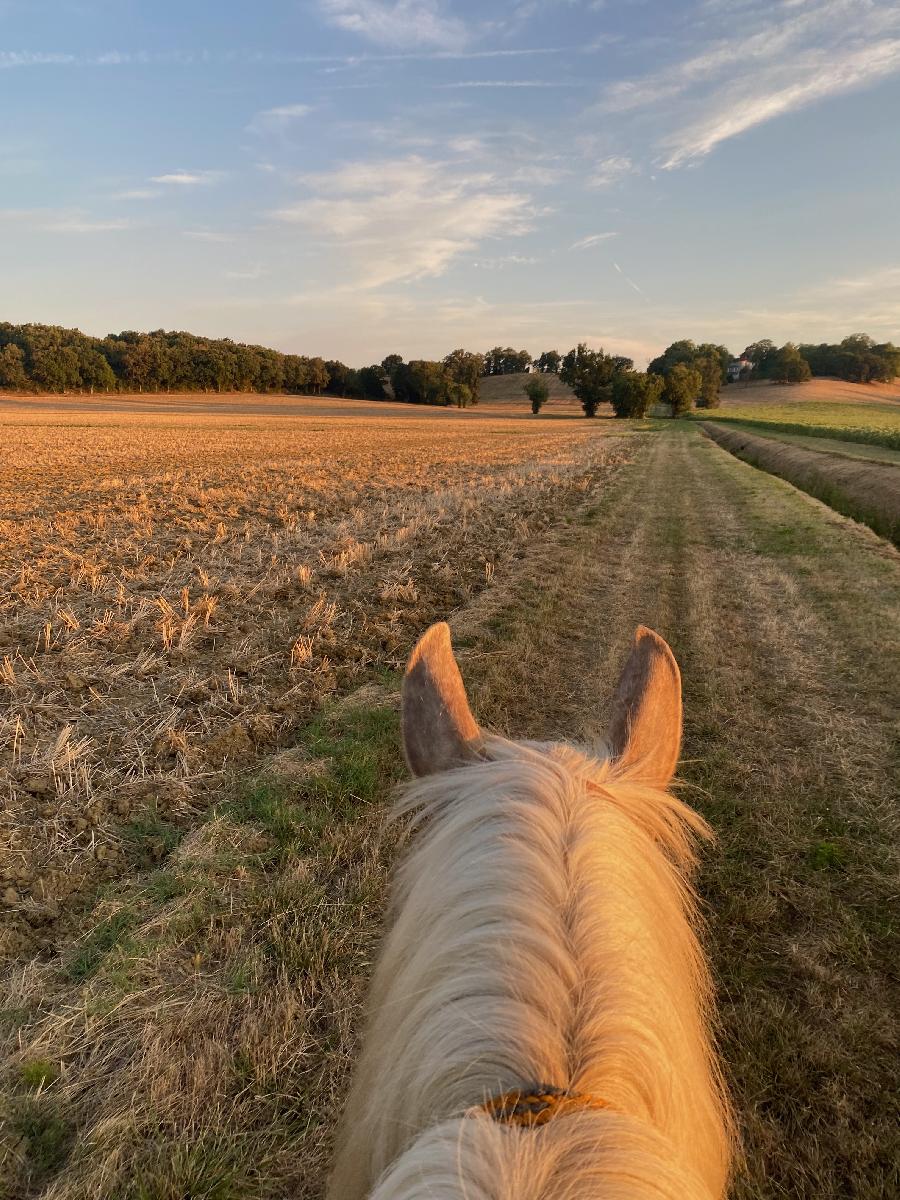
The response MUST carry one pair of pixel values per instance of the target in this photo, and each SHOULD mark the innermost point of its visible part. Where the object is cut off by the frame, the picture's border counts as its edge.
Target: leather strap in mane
(532, 1106)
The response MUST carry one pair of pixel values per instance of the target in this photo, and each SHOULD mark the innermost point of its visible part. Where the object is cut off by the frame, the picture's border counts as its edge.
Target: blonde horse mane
(542, 932)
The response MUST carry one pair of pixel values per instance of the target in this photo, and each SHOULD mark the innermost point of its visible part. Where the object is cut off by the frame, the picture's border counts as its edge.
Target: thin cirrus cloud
(187, 179)
(208, 235)
(280, 118)
(42, 220)
(768, 63)
(509, 83)
(610, 170)
(405, 219)
(401, 25)
(593, 239)
(749, 104)
(137, 194)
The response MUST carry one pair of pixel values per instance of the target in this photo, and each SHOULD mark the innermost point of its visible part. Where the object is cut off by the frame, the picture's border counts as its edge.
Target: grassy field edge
(807, 471)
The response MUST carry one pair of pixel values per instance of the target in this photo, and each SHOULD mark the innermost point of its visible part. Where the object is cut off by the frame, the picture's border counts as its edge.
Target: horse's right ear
(439, 731)
(645, 730)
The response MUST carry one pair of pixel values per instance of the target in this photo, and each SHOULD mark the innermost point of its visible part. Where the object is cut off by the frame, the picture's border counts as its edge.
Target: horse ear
(645, 730)
(439, 731)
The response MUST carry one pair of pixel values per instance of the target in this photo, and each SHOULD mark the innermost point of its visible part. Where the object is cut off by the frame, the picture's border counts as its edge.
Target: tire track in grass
(796, 776)
(777, 610)
(792, 743)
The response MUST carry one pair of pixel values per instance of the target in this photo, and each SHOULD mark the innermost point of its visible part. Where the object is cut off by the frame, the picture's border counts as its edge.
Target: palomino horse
(539, 1021)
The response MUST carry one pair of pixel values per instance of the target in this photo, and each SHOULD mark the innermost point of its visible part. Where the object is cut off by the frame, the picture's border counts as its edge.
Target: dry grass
(185, 599)
(178, 597)
(507, 391)
(191, 1034)
(827, 391)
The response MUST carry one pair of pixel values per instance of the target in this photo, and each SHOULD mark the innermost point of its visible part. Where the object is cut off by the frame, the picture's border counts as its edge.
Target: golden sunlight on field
(181, 591)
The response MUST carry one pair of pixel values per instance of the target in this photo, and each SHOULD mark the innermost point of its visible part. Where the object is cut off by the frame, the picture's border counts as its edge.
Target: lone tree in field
(681, 388)
(590, 375)
(538, 392)
(790, 366)
(634, 393)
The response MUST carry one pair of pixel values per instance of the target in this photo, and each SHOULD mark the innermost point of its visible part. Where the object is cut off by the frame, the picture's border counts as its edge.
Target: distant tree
(681, 388)
(465, 368)
(421, 381)
(635, 392)
(721, 354)
(503, 360)
(549, 362)
(689, 354)
(96, 373)
(459, 394)
(318, 375)
(537, 389)
(710, 370)
(590, 373)
(371, 382)
(789, 366)
(13, 376)
(391, 362)
(54, 369)
(762, 355)
(342, 380)
(296, 374)
(684, 351)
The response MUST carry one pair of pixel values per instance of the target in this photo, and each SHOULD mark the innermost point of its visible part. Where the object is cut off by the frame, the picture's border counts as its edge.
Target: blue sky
(359, 177)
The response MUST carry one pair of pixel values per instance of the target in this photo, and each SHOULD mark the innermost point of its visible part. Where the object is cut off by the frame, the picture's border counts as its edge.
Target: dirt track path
(784, 618)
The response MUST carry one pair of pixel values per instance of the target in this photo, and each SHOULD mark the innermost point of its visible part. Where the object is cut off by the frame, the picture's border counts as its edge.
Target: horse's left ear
(439, 731)
(645, 730)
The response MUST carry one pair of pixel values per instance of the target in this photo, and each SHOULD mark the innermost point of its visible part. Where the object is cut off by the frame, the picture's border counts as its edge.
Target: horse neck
(542, 933)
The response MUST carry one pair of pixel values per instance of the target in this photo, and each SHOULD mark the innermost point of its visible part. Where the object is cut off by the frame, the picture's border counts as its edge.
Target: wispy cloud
(280, 118)
(509, 83)
(187, 179)
(27, 58)
(137, 194)
(400, 24)
(42, 220)
(770, 61)
(255, 272)
(593, 239)
(505, 260)
(610, 170)
(750, 103)
(208, 235)
(406, 219)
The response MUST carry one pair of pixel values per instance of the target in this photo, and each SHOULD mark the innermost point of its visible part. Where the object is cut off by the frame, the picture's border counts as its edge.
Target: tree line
(48, 358)
(857, 359)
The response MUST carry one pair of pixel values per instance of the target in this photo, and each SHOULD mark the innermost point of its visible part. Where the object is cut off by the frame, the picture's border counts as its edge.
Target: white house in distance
(737, 367)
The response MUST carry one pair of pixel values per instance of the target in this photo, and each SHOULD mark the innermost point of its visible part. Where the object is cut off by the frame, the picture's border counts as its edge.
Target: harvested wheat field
(202, 621)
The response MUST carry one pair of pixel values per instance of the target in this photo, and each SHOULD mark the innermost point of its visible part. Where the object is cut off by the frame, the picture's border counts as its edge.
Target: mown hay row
(866, 491)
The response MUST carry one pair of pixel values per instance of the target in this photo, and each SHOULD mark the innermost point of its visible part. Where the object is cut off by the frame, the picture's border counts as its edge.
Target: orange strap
(537, 1105)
